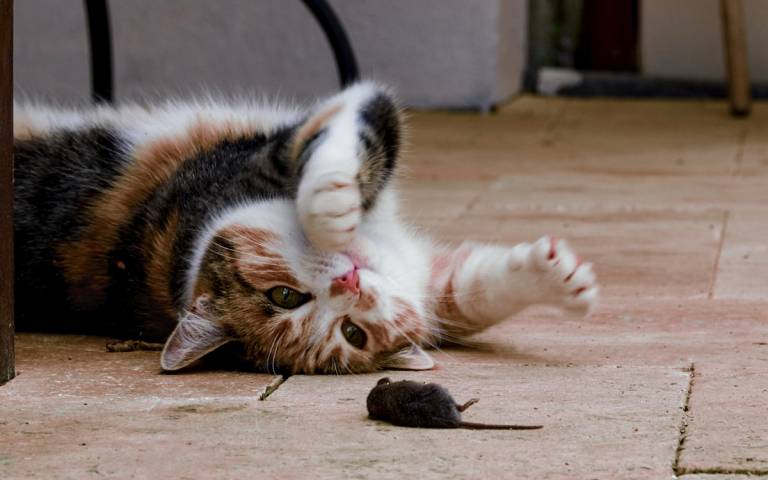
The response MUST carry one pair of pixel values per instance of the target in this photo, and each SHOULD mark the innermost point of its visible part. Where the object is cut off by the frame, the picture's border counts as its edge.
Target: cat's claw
(566, 280)
(330, 211)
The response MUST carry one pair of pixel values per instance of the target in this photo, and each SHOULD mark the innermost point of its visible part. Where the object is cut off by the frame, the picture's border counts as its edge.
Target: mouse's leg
(467, 404)
(480, 285)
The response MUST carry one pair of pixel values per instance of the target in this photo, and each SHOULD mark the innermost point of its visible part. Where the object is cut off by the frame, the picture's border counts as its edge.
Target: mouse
(423, 405)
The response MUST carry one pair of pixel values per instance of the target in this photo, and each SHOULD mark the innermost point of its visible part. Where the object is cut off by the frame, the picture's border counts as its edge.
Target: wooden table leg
(7, 364)
(735, 46)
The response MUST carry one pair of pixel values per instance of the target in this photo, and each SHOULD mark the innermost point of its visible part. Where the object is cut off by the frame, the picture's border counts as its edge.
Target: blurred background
(463, 54)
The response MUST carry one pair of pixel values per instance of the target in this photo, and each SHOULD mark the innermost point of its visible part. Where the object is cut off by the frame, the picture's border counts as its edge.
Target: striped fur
(175, 222)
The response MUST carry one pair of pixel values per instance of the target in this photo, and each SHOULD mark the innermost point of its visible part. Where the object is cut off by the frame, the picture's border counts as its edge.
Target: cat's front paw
(565, 280)
(330, 211)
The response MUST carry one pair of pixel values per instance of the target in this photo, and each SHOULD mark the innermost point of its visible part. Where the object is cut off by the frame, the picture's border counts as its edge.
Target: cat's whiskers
(278, 344)
(269, 364)
(336, 365)
(435, 332)
(441, 333)
(345, 365)
(471, 295)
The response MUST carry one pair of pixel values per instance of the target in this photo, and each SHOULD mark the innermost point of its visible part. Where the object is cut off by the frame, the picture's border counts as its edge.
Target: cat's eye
(285, 297)
(354, 334)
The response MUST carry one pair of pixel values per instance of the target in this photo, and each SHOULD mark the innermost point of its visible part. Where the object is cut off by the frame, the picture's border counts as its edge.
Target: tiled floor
(668, 377)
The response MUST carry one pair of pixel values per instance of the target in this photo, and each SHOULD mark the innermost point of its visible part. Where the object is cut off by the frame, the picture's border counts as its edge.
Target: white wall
(683, 39)
(448, 53)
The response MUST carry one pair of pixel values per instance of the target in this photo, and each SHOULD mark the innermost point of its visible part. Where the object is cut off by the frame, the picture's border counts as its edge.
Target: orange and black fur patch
(105, 230)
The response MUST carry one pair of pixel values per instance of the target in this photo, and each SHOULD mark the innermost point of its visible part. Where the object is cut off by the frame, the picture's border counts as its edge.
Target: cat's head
(299, 310)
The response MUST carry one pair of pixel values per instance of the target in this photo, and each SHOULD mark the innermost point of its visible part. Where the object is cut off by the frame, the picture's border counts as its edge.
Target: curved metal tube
(337, 37)
(100, 41)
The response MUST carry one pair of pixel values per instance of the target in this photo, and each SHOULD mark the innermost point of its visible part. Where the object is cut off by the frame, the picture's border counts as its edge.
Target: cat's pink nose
(350, 281)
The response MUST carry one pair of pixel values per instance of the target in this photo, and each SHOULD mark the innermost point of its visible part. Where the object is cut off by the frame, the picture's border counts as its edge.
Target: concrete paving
(667, 378)
(599, 422)
(720, 436)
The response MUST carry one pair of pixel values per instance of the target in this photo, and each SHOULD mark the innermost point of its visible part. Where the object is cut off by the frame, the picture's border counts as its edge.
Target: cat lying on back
(206, 223)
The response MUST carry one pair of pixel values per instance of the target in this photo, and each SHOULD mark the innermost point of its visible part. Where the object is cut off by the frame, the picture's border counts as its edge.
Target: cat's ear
(194, 337)
(411, 358)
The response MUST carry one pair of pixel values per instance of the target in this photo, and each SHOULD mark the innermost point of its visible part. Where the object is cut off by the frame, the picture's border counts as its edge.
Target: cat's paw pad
(330, 211)
(565, 279)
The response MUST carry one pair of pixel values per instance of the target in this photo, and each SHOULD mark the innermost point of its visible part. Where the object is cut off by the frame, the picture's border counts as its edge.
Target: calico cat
(200, 224)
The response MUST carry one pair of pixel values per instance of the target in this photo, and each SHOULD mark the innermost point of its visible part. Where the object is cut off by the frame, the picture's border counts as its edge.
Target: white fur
(143, 124)
(496, 282)
(328, 199)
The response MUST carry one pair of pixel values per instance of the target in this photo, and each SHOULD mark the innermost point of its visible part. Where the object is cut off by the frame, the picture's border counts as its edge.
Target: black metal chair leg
(100, 40)
(337, 37)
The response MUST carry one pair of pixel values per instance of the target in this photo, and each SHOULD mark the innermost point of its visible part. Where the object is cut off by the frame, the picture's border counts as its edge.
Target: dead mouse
(423, 405)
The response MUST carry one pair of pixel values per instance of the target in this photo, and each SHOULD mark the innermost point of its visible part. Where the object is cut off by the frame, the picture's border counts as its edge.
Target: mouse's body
(423, 405)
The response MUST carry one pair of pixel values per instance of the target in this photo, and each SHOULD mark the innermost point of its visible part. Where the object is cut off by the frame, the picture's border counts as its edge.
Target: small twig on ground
(132, 346)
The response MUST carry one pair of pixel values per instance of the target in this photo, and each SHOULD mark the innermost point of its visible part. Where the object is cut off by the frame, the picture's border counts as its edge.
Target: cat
(205, 223)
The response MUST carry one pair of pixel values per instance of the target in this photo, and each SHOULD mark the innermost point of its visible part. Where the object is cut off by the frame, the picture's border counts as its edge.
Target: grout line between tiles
(687, 417)
(726, 471)
(740, 152)
(685, 420)
(716, 266)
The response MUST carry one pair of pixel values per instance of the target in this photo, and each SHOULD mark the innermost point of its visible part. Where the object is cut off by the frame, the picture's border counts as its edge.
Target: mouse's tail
(486, 426)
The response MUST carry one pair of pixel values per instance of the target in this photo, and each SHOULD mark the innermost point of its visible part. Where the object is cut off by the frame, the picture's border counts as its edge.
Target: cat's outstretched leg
(477, 286)
(347, 151)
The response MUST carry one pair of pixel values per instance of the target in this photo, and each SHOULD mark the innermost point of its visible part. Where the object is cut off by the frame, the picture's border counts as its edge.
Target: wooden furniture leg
(7, 365)
(735, 46)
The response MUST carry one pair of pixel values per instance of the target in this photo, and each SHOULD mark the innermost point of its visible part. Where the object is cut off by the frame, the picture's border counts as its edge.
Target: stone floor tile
(727, 411)
(743, 265)
(694, 140)
(79, 366)
(687, 137)
(754, 157)
(599, 422)
(76, 411)
(429, 202)
(623, 332)
(600, 191)
(516, 125)
(318, 425)
(636, 252)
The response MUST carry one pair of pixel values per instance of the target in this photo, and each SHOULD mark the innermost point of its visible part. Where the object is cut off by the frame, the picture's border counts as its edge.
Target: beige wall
(446, 53)
(683, 38)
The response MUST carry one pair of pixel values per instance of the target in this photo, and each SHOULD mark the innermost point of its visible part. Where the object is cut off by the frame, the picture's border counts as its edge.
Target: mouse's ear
(411, 358)
(194, 337)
